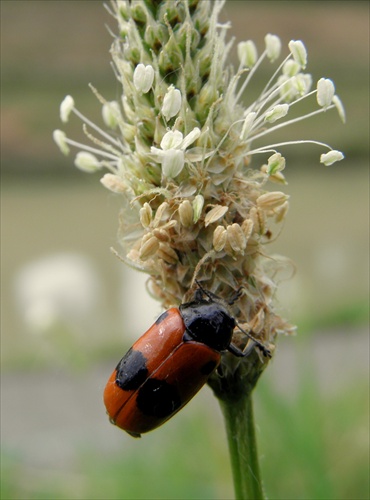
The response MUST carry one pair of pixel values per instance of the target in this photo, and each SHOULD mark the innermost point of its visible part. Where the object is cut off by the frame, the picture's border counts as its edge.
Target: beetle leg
(242, 353)
(220, 371)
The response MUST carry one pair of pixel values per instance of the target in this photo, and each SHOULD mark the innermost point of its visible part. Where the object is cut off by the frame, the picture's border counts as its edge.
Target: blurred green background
(70, 309)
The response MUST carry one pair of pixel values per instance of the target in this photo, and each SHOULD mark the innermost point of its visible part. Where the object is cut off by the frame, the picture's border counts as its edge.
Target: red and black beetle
(171, 362)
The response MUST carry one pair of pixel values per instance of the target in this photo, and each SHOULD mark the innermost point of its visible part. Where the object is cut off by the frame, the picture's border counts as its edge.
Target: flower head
(172, 153)
(181, 149)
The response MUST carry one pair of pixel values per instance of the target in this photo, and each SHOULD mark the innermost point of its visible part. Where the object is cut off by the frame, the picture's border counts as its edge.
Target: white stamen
(247, 53)
(172, 163)
(276, 113)
(60, 139)
(171, 102)
(143, 78)
(66, 107)
(111, 114)
(298, 51)
(331, 157)
(273, 46)
(340, 108)
(87, 162)
(325, 92)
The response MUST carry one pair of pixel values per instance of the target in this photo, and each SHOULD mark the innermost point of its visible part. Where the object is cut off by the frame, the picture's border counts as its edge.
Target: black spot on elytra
(158, 398)
(208, 367)
(161, 318)
(131, 371)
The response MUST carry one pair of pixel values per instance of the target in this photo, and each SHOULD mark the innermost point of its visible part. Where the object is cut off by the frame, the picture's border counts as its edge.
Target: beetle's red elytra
(170, 363)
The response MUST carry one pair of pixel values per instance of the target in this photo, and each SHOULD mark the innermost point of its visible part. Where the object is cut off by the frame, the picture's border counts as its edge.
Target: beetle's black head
(208, 322)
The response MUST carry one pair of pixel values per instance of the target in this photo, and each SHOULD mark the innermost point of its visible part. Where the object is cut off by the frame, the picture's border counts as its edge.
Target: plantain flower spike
(177, 146)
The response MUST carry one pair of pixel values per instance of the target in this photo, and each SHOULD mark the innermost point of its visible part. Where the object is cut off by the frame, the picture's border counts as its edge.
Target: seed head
(178, 145)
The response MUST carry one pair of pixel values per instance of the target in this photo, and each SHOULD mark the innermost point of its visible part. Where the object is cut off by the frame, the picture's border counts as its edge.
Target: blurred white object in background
(63, 288)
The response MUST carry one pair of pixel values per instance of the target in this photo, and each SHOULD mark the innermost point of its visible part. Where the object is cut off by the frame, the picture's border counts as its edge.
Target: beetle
(171, 362)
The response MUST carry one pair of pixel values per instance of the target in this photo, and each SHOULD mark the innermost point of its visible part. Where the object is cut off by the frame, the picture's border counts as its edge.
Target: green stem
(241, 436)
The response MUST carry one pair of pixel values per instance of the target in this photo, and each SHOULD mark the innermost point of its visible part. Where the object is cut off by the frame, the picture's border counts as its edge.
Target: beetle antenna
(265, 350)
(213, 296)
(210, 295)
(236, 296)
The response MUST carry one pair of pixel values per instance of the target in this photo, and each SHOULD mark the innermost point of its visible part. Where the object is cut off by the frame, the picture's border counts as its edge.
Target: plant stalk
(241, 437)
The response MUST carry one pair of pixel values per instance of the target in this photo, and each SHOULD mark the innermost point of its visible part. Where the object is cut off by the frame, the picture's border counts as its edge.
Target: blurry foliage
(312, 447)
